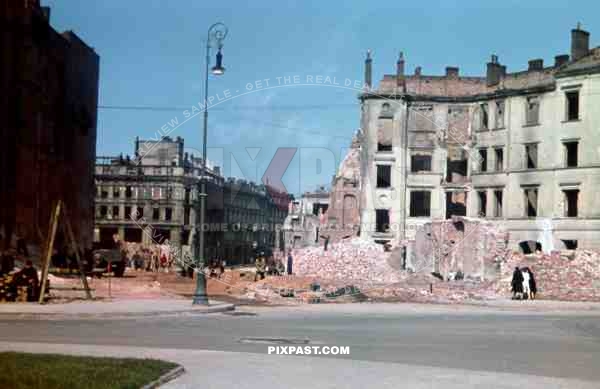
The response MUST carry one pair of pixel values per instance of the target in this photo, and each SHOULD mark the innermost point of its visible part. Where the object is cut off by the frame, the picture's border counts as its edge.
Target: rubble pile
(572, 275)
(348, 260)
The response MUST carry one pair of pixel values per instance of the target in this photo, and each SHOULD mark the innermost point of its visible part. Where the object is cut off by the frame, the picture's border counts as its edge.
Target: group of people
(272, 265)
(523, 285)
(13, 283)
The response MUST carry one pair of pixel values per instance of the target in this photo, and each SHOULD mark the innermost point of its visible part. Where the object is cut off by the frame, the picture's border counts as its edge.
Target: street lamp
(215, 36)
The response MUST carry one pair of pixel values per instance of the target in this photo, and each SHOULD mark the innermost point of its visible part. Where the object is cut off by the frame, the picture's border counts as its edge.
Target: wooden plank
(75, 248)
(50, 246)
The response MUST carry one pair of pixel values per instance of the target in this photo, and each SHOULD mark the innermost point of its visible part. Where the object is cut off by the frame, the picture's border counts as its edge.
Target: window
(420, 203)
(500, 114)
(570, 244)
(155, 214)
(140, 213)
(103, 193)
(116, 192)
(571, 197)
(382, 220)
(498, 203)
(384, 175)
(571, 153)
(482, 160)
(531, 156)
(572, 105)
(484, 116)
(103, 211)
(482, 197)
(420, 163)
(127, 212)
(499, 159)
(531, 195)
(128, 192)
(115, 212)
(168, 214)
(384, 147)
(186, 216)
(532, 111)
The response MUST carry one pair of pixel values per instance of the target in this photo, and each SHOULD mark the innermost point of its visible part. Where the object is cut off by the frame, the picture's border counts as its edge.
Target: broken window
(115, 212)
(116, 192)
(499, 114)
(484, 116)
(140, 213)
(482, 160)
(168, 214)
(103, 211)
(421, 118)
(572, 105)
(570, 244)
(456, 165)
(384, 175)
(155, 214)
(456, 203)
(385, 133)
(531, 195)
(384, 147)
(482, 197)
(420, 203)
(532, 110)
(420, 163)
(127, 212)
(498, 203)
(128, 192)
(530, 246)
(571, 153)
(382, 220)
(103, 193)
(531, 155)
(571, 197)
(499, 153)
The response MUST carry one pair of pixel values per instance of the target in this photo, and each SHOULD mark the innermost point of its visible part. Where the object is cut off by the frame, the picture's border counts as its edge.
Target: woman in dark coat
(517, 283)
(532, 284)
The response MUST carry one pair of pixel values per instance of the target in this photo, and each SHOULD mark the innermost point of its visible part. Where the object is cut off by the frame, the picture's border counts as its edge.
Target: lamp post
(215, 35)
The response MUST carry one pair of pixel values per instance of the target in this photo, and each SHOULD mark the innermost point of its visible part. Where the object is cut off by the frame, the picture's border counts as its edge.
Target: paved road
(476, 340)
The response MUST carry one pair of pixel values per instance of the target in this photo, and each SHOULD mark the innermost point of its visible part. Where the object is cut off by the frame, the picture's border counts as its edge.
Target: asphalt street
(563, 346)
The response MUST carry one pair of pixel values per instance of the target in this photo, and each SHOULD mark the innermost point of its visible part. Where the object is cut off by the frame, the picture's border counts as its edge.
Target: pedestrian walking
(532, 284)
(526, 278)
(290, 263)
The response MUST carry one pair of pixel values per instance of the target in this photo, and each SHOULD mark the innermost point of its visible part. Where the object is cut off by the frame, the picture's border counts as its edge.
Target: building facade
(520, 149)
(151, 197)
(306, 216)
(48, 111)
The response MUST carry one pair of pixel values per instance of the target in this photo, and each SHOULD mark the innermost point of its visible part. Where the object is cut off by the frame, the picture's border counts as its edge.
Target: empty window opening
(168, 214)
(103, 193)
(570, 244)
(115, 212)
(530, 246)
(456, 166)
(140, 213)
(484, 116)
(420, 203)
(483, 160)
(127, 212)
(384, 174)
(499, 153)
(572, 105)
(482, 202)
(155, 214)
(116, 193)
(531, 155)
(103, 211)
(384, 147)
(420, 163)
(532, 110)
(571, 153)
(128, 192)
(500, 114)
(571, 197)
(456, 202)
(531, 195)
(498, 203)
(382, 220)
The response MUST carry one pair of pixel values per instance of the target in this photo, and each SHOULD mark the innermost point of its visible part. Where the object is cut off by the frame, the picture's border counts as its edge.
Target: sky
(152, 54)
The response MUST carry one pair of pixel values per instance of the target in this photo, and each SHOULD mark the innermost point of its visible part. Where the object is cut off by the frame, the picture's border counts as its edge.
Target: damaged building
(48, 112)
(516, 149)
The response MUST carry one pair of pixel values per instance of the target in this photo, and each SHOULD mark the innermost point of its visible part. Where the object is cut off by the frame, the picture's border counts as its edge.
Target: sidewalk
(109, 309)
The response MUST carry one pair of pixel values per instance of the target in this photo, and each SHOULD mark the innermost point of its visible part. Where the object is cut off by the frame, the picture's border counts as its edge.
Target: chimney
(368, 69)
(400, 82)
(580, 43)
(451, 72)
(137, 144)
(418, 71)
(536, 64)
(494, 71)
(560, 60)
(46, 13)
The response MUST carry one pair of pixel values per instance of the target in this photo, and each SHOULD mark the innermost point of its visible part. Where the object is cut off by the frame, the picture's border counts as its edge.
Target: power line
(326, 107)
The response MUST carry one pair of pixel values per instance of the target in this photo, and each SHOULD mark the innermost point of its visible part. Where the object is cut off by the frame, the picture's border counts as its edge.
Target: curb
(113, 315)
(163, 379)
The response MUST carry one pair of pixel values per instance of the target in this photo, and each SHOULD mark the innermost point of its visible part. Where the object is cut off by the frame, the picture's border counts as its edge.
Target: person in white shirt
(526, 289)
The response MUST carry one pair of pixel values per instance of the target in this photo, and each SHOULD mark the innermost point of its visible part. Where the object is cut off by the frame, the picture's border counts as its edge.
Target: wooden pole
(49, 248)
(75, 248)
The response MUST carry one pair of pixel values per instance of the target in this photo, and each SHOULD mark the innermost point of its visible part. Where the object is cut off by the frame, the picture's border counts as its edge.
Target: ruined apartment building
(150, 197)
(518, 148)
(304, 219)
(48, 111)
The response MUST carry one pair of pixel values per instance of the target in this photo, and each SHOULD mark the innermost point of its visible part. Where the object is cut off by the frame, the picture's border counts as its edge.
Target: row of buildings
(519, 148)
(153, 197)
